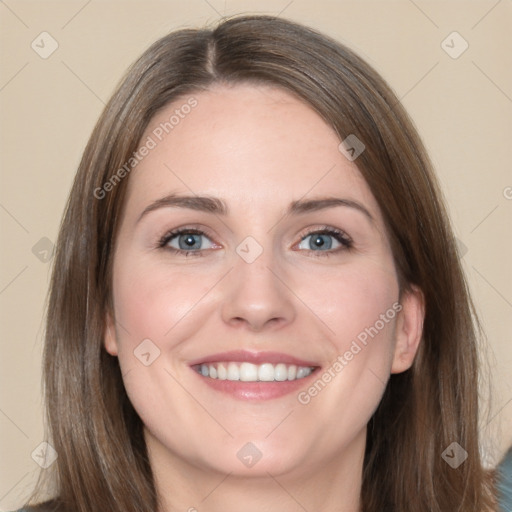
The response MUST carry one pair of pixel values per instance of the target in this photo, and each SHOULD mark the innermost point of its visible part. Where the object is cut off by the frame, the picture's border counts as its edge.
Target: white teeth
(222, 373)
(266, 372)
(233, 372)
(302, 372)
(249, 372)
(280, 372)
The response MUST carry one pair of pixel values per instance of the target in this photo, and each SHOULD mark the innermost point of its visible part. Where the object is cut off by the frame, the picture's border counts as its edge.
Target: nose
(256, 295)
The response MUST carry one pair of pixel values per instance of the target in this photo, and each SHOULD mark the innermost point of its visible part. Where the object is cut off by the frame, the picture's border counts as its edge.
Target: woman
(256, 301)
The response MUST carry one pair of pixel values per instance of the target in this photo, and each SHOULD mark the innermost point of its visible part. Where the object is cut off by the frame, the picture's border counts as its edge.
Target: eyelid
(191, 228)
(330, 230)
(341, 236)
(345, 241)
(197, 228)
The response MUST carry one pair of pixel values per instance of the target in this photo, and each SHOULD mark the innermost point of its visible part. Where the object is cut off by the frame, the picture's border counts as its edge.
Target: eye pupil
(320, 241)
(189, 241)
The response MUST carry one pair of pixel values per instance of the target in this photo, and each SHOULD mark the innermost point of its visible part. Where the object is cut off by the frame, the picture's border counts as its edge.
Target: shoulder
(49, 506)
(504, 482)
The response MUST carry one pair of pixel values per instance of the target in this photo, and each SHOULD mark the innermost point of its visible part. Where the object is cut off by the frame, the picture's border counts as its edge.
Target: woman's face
(256, 302)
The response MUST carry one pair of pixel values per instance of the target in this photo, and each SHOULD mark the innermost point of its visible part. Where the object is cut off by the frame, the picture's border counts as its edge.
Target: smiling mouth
(249, 372)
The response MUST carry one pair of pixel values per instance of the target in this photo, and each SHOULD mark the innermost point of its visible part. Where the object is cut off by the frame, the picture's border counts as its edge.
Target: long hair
(102, 459)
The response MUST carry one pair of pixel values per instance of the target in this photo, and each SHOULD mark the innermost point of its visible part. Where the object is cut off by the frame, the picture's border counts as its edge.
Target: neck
(333, 486)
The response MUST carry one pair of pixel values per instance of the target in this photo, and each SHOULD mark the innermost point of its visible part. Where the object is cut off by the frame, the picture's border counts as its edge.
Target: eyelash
(337, 234)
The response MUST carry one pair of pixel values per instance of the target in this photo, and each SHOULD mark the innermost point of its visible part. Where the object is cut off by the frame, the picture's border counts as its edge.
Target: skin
(257, 148)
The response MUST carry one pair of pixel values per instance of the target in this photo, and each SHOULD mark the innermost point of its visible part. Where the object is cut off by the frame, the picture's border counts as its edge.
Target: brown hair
(102, 462)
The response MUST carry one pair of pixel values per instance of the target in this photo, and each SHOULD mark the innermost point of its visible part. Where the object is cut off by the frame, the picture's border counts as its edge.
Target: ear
(109, 336)
(409, 329)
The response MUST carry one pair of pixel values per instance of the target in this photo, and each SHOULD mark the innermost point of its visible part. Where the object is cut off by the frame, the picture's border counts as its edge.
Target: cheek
(359, 305)
(150, 300)
(157, 309)
(352, 300)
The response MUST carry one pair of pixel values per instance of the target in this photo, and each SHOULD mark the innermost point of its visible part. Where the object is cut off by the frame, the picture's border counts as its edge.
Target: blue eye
(188, 241)
(185, 240)
(325, 240)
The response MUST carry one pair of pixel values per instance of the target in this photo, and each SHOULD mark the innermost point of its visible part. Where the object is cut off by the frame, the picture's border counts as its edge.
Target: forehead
(249, 144)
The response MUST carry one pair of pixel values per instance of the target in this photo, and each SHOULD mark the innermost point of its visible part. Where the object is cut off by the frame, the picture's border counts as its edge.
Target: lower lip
(256, 390)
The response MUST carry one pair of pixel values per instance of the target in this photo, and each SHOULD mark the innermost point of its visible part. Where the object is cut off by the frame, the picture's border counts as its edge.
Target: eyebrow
(218, 207)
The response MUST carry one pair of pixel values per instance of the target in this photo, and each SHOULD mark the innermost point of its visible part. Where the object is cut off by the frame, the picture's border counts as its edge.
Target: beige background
(462, 106)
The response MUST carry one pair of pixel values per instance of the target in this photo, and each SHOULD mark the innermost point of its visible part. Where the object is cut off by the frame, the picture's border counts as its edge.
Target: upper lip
(241, 356)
